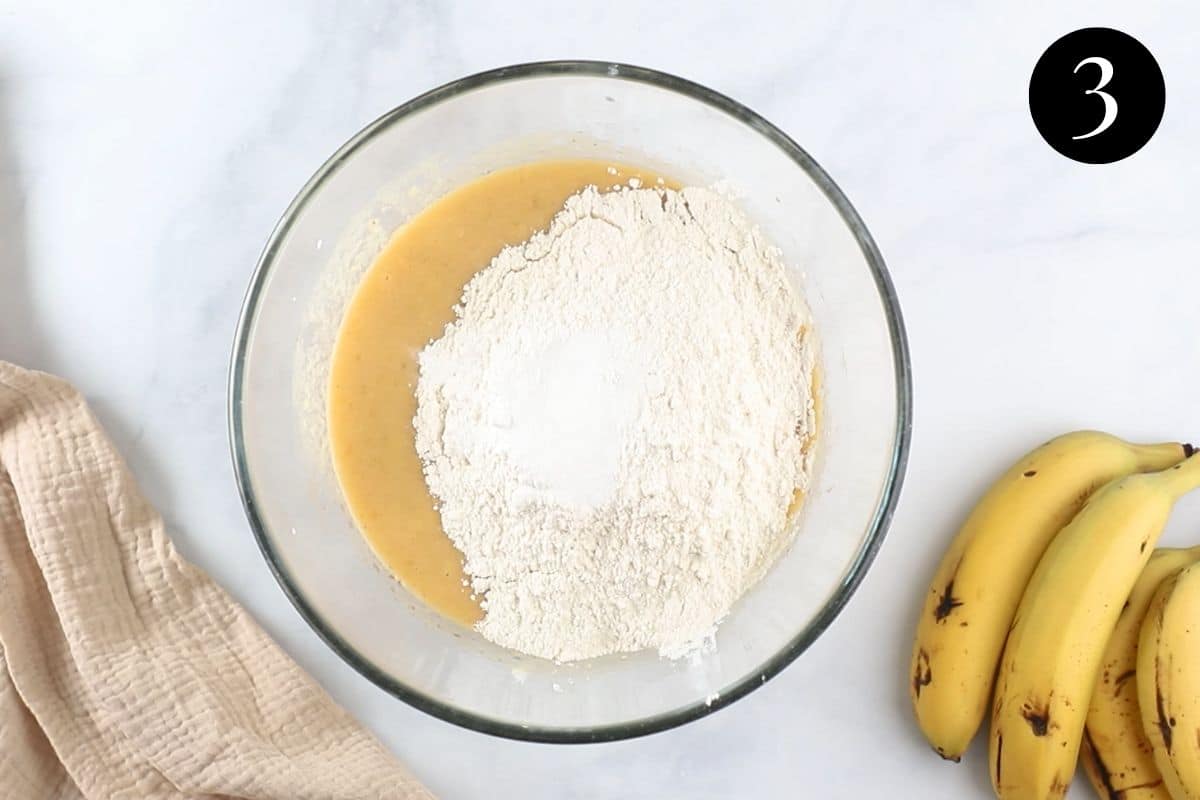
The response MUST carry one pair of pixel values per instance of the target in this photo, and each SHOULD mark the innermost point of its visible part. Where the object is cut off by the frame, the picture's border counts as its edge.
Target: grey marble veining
(146, 150)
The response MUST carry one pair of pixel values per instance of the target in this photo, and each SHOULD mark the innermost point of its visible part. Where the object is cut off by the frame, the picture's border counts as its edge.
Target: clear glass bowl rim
(884, 509)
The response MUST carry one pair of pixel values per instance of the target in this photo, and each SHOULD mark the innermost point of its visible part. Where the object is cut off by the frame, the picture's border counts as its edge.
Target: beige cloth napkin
(125, 672)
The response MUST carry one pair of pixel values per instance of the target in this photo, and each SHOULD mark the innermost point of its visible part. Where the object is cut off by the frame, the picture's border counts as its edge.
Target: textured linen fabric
(125, 672)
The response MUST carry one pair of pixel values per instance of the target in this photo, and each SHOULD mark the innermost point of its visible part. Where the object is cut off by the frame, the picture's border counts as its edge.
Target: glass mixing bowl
(339, 222)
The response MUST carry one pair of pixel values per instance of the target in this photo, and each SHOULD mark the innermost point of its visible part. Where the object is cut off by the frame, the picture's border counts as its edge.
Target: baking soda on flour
(617, 421)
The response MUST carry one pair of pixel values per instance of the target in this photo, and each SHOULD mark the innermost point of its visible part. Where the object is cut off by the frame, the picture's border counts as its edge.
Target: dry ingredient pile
(617, 422)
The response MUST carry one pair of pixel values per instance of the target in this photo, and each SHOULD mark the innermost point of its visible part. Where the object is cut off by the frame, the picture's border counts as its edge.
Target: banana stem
(1154, 457)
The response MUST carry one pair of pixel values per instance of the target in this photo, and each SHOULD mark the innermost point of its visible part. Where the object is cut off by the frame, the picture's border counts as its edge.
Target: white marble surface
(146, 149)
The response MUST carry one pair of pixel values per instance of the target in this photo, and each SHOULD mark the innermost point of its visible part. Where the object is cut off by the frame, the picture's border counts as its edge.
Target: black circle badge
(1097, 95)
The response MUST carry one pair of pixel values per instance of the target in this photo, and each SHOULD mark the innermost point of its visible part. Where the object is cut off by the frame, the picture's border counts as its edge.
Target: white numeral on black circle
(1110, 103)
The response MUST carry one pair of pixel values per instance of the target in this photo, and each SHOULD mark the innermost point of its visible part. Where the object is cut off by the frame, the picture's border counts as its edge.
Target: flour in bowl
(617, 422)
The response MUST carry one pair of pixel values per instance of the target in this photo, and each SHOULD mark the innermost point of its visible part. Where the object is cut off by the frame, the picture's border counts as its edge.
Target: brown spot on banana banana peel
(1085, 497)
(1121, 680)
(1164, 725)
(1059, 787)
(1030, 473)
(1038, 719)
(999, 755)
(923, 675)
(945, 757)
(946, 603)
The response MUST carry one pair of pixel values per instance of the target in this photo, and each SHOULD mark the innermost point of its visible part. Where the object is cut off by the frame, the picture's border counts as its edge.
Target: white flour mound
(617, 421)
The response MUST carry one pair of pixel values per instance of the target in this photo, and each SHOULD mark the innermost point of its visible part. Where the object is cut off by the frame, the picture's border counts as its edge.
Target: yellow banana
(977, 586)
(1169, 682)
(1046, 676)
(1117, 756)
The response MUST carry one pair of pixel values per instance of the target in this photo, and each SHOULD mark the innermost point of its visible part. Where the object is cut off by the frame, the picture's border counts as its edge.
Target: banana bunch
(1021, 608)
